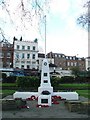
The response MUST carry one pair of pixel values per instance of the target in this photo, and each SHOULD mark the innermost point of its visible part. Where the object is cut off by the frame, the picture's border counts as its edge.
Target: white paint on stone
(48, 97)
(24, 95)
(67, 95)
(45, 85)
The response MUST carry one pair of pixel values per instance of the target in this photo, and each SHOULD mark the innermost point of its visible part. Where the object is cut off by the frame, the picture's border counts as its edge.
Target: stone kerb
(78, 106)
(12, 104)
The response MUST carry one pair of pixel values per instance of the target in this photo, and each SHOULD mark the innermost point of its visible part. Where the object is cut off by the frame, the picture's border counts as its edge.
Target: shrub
(55, 82)
(4, 75)
(67, 79)
(28, 82)
(81, 80)
(10, 79)
(70, 79)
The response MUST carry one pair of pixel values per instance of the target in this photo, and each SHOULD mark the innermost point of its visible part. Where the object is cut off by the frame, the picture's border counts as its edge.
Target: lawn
(7, 84)
(61, 85)
(84, 93)
(7, 92)
(75, 85)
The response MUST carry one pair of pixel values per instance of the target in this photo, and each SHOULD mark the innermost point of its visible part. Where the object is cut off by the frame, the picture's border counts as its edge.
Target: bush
(81, 80)
(55, 82)
(4, 75)
(67, 79)
(28, 82)
(70, 79)
(10, 79)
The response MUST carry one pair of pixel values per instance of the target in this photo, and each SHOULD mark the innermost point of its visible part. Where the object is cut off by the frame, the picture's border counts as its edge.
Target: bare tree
(23, 13)
(84, 19)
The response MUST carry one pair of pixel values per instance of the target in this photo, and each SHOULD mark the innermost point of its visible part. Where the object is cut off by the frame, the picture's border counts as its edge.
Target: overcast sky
(64, 35)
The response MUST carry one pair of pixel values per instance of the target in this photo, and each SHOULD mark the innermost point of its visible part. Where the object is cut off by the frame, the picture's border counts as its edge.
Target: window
(23, 47)
(45, 74)
(8, 55)
(80, 64)
(17, 61)
(22, 61)
(71, 63)
(64, 64)
(28, 56)
(70, 58)
(33, 56)
(38, 61)
(63, 56)
(28, 61)
(73, 58)
(17, 55)
(1, 54)
(28, 47)
(44, 100)
(33, 63)
(33, 47)
(28, 67)
(75, 64)
(22, 66)
(55, 55)
(66, 57)
(18, 47)
(59, 55)
(68, 63)
(23, 55)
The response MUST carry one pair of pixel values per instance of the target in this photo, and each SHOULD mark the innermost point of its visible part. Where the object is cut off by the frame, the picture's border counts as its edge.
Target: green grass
(62, 85)
(83, 86)
(7, 92)
(8, 84)
(84, 93)
(75, 85)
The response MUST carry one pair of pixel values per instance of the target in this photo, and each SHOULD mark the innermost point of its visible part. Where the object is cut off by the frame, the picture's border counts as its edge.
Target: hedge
(33, 82)
(70, 79)
(74, 86)
(28, 82)
(9, 79)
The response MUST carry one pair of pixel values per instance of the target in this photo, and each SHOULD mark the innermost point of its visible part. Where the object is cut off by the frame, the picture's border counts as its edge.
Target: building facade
(67, 62)
(6, 54)
(88, 63)
(41, 57)
(25, 54)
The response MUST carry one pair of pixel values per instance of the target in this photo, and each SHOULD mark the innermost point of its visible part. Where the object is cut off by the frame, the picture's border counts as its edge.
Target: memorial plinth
(45, 91)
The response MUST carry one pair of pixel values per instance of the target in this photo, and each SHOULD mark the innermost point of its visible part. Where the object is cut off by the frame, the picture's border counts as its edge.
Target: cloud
(74, 40)
(63, 34)
(59, 6)
(69, 39)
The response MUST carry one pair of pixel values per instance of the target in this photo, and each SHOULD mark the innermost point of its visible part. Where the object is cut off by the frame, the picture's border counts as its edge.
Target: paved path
(55, 111)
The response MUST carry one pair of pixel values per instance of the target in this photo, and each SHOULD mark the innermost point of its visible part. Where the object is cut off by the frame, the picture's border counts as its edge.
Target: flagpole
(45, 36)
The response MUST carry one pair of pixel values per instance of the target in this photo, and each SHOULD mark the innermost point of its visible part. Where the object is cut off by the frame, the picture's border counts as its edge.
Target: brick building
(24, 54)
(41, 56)
(67, 62)
(6, 54)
